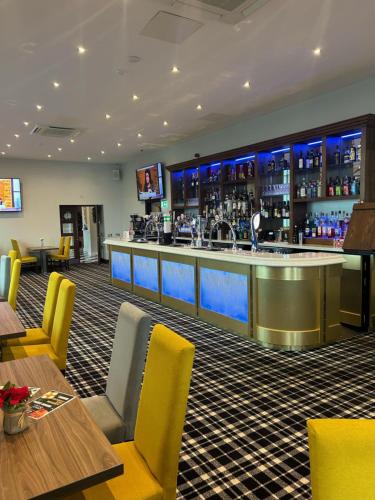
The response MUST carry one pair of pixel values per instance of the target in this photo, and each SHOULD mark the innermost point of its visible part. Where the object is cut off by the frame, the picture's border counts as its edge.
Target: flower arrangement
(12, 398)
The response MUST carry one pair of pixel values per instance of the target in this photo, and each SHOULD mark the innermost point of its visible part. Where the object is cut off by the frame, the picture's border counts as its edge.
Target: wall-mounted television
(10, 195)
(150, 182)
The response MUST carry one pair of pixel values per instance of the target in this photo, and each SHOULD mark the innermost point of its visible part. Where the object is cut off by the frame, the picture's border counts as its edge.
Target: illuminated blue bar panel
(224, 293)
(145, 271)
(121, 267)
(178, 281)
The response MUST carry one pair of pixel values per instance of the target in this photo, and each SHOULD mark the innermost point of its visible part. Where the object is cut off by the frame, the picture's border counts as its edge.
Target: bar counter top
(303, 259)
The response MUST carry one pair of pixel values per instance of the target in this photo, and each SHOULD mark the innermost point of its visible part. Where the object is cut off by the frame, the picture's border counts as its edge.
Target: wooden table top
(40, 249)
(10, 326)
(58, 454)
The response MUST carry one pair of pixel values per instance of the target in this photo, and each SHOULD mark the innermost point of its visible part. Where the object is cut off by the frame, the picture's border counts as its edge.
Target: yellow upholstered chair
(13, 256)
(14, 283)
(60, 250)
(342, 459)
(42, 335)
(26, 259)
(63, 257)
(151, 460)
(57, 347)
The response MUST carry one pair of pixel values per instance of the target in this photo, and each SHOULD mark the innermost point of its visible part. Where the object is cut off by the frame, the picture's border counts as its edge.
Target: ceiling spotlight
(8, 145)
(317, 51)
(119, 144)
(246, 85)
(59, 149)
(49, 156)
(56, 85)
(135, 97)
(39, 107)
(102, 152)
(175, 69)
(107, 116)
(17, 136)
(3, 153)
(199, 107)
(165, 123)
(81, 50)
(139, 135)
(89, 158)
(26, 124)
(72, 141)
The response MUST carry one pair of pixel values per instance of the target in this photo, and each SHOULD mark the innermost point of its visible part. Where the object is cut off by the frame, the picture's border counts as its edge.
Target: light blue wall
(347, 102)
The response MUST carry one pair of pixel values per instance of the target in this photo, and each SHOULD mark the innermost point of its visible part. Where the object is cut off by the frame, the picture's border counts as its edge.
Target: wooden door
(69, 226)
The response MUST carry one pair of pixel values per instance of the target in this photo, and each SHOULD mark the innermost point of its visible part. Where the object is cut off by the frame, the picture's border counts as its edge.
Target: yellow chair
(60, 250)
(342, 459)
(151, 460)
(13, 256)
(42, 335)
(14, 283)
(63, 257)
(57, 348)
(26, 259)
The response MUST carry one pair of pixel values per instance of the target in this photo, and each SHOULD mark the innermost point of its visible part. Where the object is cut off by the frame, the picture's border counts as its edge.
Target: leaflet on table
(32, 390)
(49, 402)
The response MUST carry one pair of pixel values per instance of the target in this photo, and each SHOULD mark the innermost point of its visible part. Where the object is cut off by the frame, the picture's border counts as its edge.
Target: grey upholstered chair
(4, 277)
(116, 411)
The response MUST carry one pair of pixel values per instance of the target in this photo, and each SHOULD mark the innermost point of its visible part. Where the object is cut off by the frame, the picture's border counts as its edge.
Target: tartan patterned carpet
(245, 433)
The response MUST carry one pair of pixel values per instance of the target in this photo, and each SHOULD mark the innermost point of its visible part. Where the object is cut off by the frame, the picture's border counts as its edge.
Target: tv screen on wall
(150, 182)
(10, 195)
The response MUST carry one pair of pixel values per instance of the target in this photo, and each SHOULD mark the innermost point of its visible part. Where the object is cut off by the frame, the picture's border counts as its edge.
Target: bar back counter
(286, 301)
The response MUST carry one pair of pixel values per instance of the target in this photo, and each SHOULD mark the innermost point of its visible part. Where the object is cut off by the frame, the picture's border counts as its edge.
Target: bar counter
(286, 301)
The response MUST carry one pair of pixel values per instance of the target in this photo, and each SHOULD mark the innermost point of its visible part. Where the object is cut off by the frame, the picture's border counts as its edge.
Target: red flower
(11, 396)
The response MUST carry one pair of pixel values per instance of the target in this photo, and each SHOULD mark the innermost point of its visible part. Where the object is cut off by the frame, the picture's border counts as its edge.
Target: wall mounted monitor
(150, 182)
(10, 195)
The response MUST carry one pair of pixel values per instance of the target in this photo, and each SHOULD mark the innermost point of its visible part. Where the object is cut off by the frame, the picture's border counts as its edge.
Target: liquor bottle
(338, 188)
(273, 164)
(314, 227)
(301, 161)
(337, 156)
(319, 189)
(303, 189)
(316, 159)
(347, 155)
(318, 225)
(359, 152)
(324, 226)
(307, 227)
(331, 188)
(353, 152)
(287, 210)
(309, 190)
(345, 186)
(309, 159)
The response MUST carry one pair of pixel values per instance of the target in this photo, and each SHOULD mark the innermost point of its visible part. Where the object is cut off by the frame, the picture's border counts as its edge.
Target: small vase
(15, 422)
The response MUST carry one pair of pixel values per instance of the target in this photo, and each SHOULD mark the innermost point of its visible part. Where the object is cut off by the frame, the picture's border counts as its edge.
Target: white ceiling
(273, 48)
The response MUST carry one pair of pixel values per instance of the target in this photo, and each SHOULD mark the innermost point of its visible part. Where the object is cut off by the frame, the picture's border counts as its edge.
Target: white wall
(347, 102)
(48, 184)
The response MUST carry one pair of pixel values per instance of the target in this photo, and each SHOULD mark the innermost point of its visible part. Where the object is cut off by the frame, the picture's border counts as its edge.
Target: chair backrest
(61, 245)
(4, 275)
(14, 283)
(13, 256)
(54, 283)
(16, 248)
(127, 363)
(162, 405)
(67, 246)
(62, 320)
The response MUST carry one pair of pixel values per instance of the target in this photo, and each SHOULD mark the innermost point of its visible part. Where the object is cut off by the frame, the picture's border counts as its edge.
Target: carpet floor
(245, 433)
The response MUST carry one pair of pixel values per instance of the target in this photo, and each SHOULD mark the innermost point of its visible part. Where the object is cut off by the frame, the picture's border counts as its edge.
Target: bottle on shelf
(347, 155)
(330, 226)
(301, 161)
(338, 187)
(337, 156)
(353, 152)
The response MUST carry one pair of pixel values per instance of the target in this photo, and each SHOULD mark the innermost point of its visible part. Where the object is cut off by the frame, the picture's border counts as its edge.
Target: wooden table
(59, 454)
(42, 251)
(10, 326)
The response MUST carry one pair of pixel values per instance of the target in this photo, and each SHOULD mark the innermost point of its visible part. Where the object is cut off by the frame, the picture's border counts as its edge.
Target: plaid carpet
(245, 432)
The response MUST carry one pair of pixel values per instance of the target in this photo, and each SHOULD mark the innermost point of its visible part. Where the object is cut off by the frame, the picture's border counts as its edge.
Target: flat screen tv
(10, 195)
(150, 182)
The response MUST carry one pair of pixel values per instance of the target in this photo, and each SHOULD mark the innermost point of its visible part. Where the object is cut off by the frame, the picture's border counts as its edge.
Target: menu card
(49, 402)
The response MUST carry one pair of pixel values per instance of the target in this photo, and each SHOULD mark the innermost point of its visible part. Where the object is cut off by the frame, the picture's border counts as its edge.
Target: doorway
(84, 224)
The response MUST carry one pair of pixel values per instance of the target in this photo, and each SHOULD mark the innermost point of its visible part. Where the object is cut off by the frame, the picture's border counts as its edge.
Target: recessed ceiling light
(135, 97)
(17, 136)
(107, 116)
(119, 144)
(59, 149)
(246, 85)
(26, 124)
(3, 153)
(139, 135)
(56, 85)
(49, 156)
(199, 107)
(81, 50)
(165, 123)
(317, 51)
(89, 158)
(102, 152)
(72, 141)
(9, 145)
(39, 107)
(175, 69)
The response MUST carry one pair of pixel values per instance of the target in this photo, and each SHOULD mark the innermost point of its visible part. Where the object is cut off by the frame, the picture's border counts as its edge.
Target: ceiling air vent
(52, 131)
